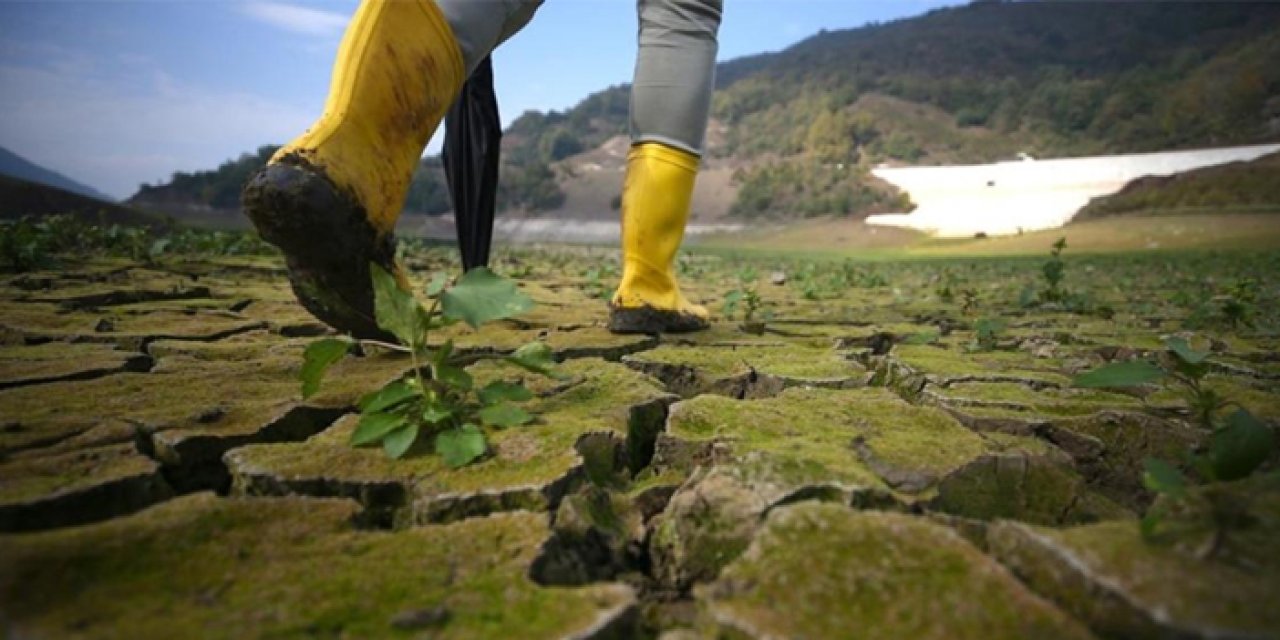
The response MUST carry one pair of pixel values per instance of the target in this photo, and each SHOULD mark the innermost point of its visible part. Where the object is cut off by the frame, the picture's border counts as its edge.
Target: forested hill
(967, 84)
(1069, 78)
(970, 84)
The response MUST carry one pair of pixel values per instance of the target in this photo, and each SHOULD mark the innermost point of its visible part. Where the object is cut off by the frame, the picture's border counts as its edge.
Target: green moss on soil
(820, 571)
(953, 363)
(1025, 488)
(1123, 585)
(54, 360)
(35, 478)
(48, 322)
(220, 399)
(528, 456)
(1019, 397)
(286, 568)
(244, 347)
(787, 361)
(830, 434)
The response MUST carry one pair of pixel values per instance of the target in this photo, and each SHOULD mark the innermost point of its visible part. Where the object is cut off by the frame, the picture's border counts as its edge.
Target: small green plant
(986, 334)
(1238, 443)
(1185, 367)
(1237, 305)
(751, 304)
(1053, 271)
(947, 283)
(747, 296)
(444, 406)
(689, 266)
(595, 285)
(872, 280)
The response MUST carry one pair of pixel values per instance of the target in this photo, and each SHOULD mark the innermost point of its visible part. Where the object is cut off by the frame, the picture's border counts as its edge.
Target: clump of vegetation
(444, 406)
(1239, 443)
(1237, 306)
(596, 285)
(1233, 307)
(948, 283)
(29, 243)
(747, 296)
(24, 247)
(987, 333)
(1053, 272)
(1053, 294)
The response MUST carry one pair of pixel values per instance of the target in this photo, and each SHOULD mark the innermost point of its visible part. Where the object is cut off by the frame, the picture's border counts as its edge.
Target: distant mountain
(14, 165)
(795, 133)
(20, 198)
(1229, 188)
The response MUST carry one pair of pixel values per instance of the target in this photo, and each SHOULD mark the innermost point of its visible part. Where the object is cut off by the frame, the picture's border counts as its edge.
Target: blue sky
(114, 93)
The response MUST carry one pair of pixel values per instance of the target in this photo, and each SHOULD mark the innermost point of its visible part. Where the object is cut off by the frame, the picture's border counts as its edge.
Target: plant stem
(386, 345)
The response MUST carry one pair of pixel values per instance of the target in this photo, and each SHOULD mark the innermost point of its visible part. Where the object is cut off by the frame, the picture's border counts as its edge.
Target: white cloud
(304, 20)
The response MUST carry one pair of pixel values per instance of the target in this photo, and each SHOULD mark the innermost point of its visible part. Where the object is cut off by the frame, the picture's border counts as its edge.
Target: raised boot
(655, 210)
(330, 198)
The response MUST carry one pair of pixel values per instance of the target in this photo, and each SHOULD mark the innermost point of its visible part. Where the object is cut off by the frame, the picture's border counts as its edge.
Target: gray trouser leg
(675, 71)
(481, 25)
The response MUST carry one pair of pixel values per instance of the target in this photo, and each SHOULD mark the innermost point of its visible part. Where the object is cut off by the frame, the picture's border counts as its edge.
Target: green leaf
(1027, 297)
(504, 415)
(500, 391)
(436, 413)
(1119, 374)
(398, 442)
(396, 310)
(1240, 446)
(536, 357)
(989, 326)
(1179, 346)
(460, 446)
(437, 284)
(482, 296)
(442, 355)
(1162, 477)
(387, 397)
(374, 427)
(455, 377)
(731, 301)
(317, 359)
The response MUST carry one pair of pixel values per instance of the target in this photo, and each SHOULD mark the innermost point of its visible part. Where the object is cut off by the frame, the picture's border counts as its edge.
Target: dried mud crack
(863, 463)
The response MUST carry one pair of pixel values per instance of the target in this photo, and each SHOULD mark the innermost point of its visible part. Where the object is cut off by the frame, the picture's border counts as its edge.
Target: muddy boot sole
(327, 241)
(650, 320)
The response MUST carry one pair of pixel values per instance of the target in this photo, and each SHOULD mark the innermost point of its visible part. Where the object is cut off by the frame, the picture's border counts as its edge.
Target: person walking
(331, 197)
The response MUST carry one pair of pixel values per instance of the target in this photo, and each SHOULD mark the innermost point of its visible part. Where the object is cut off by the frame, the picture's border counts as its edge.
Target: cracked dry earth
(161, 477)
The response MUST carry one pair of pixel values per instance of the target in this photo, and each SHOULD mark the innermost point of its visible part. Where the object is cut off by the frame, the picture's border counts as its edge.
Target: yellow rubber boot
(330, 198)
(655, 210)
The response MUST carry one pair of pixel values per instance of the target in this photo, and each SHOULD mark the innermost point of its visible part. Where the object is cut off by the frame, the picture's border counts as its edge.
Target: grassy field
(839, 238)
